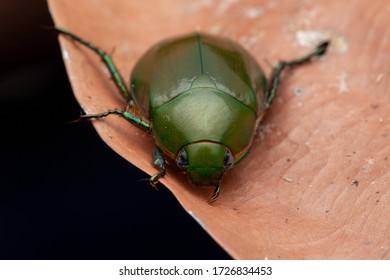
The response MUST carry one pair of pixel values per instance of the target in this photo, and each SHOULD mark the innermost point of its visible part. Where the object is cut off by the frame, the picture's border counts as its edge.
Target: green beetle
(202, 97)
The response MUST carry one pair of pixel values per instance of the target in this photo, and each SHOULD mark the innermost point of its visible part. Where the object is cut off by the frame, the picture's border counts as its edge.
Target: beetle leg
(117, 78)
(126, 115)
(275, 78)
(159, 161)
(217, 190)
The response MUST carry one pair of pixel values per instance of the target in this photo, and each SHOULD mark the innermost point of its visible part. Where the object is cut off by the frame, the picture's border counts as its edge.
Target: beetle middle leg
(159, 161)
(277, 71)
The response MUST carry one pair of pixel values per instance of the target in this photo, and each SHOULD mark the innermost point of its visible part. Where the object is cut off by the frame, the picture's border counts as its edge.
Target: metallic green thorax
(200, 88)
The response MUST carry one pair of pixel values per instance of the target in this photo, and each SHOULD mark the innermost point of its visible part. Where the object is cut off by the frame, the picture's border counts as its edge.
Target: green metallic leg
(107, 61)
(217, 191)
(117, 80)
(275, 79)
(126, 115)
(159, 161)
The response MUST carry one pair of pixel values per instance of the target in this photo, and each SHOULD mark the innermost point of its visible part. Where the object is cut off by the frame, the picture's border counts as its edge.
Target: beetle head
(205, 161)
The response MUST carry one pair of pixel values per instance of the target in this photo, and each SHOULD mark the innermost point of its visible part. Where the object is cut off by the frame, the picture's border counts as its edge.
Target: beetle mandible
(201, 97)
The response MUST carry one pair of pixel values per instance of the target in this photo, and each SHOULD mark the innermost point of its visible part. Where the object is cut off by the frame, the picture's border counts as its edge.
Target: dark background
(64, 194)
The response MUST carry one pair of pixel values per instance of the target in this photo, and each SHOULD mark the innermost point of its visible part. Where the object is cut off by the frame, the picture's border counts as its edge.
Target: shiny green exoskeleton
(201, 97)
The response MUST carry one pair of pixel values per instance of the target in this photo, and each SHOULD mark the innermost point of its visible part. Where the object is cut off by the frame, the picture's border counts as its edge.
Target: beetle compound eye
(182, 159)
(228, 160)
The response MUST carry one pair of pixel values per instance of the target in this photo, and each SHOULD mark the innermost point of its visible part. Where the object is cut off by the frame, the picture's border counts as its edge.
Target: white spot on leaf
(224, 6)
(254, 12)
(311, 39)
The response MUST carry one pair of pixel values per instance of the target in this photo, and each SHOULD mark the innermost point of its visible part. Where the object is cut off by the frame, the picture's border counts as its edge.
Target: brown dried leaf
(316, 184)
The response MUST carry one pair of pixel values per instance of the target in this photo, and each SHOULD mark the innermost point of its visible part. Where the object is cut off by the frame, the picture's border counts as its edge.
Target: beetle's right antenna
(275, 78)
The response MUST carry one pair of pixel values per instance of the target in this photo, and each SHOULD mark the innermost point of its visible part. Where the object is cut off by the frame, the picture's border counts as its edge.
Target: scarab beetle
(201, 96)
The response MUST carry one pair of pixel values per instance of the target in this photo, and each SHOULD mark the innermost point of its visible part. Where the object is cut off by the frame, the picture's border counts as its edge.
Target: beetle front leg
(217, 191)
(159, 161)
(275, 78)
